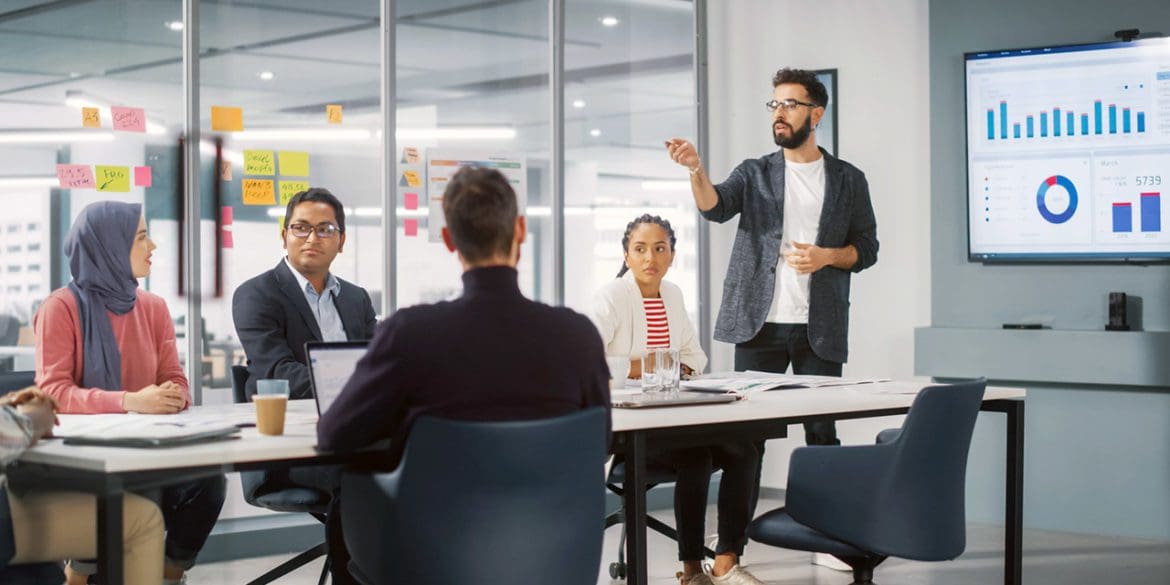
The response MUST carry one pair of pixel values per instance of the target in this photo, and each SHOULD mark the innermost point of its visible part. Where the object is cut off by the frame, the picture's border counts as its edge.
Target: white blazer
(620, 317)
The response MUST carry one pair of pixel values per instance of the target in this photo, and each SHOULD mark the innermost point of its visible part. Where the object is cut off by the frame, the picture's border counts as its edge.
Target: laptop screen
(330, 366)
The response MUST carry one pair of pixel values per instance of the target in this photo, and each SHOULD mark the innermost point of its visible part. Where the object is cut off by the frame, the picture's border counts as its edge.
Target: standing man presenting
(806, 223)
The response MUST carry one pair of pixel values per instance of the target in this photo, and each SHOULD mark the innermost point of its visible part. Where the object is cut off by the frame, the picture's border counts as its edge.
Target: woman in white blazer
(639, 310)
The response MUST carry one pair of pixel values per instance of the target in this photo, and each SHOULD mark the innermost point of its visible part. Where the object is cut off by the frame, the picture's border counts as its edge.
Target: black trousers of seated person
(694, 466)
(327, 478)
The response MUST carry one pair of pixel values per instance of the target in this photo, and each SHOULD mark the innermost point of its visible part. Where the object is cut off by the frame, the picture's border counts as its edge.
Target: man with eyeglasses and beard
(806, 224)
(298, 301)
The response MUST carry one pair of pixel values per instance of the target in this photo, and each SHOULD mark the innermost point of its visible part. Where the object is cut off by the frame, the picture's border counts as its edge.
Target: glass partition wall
(295, 93)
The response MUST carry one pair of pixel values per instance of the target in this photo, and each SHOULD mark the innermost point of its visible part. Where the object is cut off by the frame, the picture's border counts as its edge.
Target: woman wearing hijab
(106, 346)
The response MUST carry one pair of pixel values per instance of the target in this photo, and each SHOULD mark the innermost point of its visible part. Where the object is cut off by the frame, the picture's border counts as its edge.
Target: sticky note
(259, 192)
(280, 223)
(128, 119)
(333, 113)
(227, 238)
(115, 179)
(259, 162)
(410, 200)
(411, 178)
(75, 176)
(225, 170)
(142, 177)
(295, 164)
(91, 117)
(225, 215)
(410, 155)
(290, 188)
(411, 227)
(227, 119)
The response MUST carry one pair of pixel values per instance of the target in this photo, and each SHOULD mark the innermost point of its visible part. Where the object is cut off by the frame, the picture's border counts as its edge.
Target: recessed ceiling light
(74, 74)
(175, 25)
(609, 20)
(267, 75)
(578, 104)
(595, 132)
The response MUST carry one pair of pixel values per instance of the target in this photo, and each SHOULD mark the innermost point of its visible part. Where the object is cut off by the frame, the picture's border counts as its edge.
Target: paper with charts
(443, 163)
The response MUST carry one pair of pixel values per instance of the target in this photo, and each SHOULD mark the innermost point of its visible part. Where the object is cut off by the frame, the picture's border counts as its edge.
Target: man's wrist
(695, 170)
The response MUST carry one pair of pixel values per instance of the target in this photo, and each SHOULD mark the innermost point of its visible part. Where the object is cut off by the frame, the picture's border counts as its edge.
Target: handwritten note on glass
(259, 162)
(128, 119)
(75, 176)
(290, 188)
(91, 117)
(113, 179)
(259, 192)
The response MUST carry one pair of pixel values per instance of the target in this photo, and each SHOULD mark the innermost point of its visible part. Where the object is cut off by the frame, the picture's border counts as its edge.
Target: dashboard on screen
(1068, 153)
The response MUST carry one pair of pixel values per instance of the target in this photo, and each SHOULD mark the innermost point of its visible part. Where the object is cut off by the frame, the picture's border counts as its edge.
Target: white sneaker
(830, 562)
(736, 576)
(696, 579)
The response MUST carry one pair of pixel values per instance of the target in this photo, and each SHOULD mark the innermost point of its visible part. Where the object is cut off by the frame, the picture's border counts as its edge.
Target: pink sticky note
(128, 119)
(225, 215)
(142, 177)
(411, 200)
(227, 238)
(411, 226)
(76, 176)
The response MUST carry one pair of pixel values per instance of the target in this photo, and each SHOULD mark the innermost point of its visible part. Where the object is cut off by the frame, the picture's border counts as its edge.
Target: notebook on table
(663, 399)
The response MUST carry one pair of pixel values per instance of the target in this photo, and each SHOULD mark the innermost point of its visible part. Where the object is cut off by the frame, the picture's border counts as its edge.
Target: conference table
(108, 472)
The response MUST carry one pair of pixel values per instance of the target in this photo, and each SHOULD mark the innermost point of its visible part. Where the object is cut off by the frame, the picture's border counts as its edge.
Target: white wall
(881, 52)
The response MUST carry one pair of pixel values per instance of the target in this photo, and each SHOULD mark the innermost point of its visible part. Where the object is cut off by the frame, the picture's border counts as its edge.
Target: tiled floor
(1050, 558)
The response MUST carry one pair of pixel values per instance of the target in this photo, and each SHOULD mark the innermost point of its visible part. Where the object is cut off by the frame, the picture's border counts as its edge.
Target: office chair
(902, 497)
(269, 490)
(478, 502)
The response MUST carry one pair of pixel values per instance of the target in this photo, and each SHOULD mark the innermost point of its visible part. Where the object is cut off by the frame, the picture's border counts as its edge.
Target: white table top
(300, 434)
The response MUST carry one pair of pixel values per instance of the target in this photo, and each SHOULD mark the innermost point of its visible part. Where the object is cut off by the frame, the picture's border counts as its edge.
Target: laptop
(661, 399)
(331, 363)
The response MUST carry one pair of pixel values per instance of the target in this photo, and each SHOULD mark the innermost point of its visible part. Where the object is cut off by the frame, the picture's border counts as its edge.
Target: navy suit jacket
(489, 355)
(273, 322)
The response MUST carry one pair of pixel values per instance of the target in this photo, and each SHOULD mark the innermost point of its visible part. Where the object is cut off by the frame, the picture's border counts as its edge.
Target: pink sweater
(146, 339)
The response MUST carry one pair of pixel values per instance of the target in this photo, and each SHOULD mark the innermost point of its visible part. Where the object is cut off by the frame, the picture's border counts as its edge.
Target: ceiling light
(595, 132)
(52, 136)
(578, 104)
(175, 25)
(27, 182)
(609, 21)
(267, 75)
(301, 134)
(74, 74)
(457, 133)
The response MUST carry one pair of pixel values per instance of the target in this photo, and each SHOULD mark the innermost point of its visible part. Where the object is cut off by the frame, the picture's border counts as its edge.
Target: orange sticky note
(411, 227)
(333, 113)
(227, 119)
(259, 192)
(91, 117)
(411, 179)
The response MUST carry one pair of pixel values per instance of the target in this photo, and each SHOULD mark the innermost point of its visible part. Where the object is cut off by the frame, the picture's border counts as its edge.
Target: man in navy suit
(298, 301)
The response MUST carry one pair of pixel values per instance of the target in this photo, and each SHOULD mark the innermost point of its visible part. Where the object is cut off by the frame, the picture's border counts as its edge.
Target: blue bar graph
(1113, 118)
(1122, 218)
(1084, 124)
(991, 124)
(1097, 117)
(1125, 120)
(1043, 124)
(1056, 121)
(1141, 116)
(1151, 212)
(1016, 130)
(1061, 121)
(1072, 128)
(1031, 127)
(1003, 120)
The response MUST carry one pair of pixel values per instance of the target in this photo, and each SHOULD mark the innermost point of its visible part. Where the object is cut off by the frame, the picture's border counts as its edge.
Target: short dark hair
(318, 195)
(816, 90)
(480, 208)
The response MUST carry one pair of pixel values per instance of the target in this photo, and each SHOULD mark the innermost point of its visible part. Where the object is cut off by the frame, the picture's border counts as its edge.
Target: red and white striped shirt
(657, 328)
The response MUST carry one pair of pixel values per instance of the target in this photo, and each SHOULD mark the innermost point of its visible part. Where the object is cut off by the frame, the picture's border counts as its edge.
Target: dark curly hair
(641, 219)
(816, 90)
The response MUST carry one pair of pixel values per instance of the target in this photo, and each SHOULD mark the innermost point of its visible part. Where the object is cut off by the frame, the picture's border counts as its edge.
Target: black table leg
(635, 505)
(109, 537)
(1014, 508)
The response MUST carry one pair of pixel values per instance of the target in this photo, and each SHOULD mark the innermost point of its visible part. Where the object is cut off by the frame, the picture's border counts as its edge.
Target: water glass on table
(669, 369)
(650, 381)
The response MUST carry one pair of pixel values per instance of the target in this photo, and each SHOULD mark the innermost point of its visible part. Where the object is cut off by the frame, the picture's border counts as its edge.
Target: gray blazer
(755, 189)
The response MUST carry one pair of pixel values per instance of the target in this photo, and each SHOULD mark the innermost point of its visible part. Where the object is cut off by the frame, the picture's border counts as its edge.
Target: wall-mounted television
(1068, 153)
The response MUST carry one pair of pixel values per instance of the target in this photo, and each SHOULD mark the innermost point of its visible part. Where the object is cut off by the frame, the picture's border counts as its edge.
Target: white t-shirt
(804, 196)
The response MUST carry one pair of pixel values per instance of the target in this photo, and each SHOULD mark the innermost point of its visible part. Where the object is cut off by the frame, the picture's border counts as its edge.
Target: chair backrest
(239, 384)
(919, 512)
(486, 501)
(12, 381)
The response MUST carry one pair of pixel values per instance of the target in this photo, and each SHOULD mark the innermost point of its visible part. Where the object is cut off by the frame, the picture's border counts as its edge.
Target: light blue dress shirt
(324, 311)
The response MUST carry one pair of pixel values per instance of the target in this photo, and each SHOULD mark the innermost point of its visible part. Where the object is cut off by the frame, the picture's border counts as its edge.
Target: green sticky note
(259, 162)
(115, 179)
(294, 164)
(290, 188)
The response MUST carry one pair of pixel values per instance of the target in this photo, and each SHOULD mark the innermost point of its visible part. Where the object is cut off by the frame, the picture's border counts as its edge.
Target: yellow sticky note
(91, 117)
(115, 179)
(280, 223)
(259, 192)
(411, 178)
(290, 188)
(333, 113)
(227, 119)
(259, 162)
(295, 164)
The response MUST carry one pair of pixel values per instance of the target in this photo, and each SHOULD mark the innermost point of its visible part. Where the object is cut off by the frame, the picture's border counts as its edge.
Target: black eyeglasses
(324, 231)
(789, 105)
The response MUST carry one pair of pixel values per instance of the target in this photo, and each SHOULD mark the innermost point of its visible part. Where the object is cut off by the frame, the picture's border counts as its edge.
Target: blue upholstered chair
(472, 502)
(902, 497)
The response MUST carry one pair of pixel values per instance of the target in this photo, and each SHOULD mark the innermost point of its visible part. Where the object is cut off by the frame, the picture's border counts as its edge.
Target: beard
(798, 137)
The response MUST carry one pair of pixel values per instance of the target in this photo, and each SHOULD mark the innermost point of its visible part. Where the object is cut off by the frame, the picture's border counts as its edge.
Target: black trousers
(694, 467)
(327, 478)
(773, 349)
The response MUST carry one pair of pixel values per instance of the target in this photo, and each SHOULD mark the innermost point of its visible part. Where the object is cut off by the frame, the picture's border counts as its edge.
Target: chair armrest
(889, 435)
(836, 489)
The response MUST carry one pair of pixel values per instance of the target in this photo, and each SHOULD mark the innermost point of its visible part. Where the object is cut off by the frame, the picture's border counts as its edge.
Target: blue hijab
(98, 247)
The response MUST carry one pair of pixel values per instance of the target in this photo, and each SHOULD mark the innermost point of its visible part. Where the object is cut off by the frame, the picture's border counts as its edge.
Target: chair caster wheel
(617, 570)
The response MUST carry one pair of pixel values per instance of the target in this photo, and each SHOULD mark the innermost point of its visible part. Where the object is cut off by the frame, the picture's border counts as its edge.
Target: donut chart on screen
(1042, 205)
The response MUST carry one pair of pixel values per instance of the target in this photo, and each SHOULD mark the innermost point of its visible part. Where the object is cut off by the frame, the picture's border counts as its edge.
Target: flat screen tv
(1068, 153)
